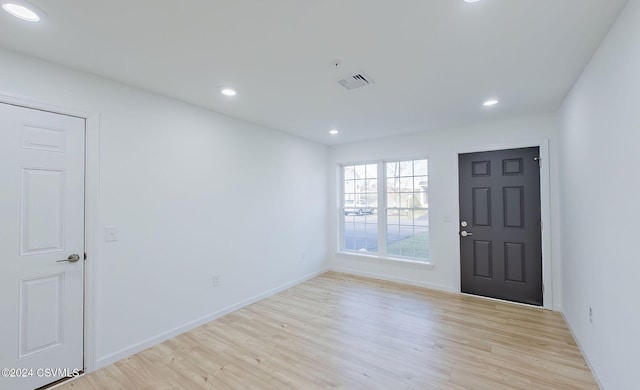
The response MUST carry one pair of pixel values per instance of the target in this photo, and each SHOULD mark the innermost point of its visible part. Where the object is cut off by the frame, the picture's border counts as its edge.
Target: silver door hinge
(539, 160)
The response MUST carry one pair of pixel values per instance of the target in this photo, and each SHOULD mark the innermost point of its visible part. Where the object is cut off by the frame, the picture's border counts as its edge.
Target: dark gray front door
(500, 246)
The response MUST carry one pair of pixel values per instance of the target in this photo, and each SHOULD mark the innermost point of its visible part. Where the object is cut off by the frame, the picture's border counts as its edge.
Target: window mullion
(382, 210)
(341, 216)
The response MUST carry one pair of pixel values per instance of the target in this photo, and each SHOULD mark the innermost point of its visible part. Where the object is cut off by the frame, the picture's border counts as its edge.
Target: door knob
(465, 233)
(71, 259)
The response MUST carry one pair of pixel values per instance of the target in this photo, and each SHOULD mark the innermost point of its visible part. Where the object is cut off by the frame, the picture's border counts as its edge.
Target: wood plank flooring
(340, 331)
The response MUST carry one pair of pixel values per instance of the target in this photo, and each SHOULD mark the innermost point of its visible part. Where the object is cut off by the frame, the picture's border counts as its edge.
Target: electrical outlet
(590, 315)
(216, 280)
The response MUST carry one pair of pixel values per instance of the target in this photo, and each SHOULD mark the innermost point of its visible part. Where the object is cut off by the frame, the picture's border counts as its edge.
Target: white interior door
(41, 223)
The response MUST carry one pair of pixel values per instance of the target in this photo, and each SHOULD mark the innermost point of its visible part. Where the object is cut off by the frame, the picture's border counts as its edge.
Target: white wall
(193, 193)
(600, 204)
(442, 148)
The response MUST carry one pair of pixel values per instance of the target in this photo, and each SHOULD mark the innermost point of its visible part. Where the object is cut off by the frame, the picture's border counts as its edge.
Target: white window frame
(382, 210)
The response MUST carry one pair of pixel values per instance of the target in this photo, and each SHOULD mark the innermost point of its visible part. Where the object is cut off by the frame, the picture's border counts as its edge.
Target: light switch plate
(110, 234)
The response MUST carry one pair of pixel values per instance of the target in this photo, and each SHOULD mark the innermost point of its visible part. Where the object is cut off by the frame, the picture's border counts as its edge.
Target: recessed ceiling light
(333, 132)
(471, 1)
(228, 92)
(490, 102)
(22, 11)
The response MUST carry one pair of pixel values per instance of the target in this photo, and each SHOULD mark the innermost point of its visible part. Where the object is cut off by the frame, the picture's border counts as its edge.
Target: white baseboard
(584, 355)
(417, 283)
(392, 279)
(141, 346)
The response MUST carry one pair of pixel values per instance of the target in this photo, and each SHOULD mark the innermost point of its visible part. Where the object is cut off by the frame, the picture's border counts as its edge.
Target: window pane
(421, 218)
(406, 168)
(393, 200)
(361, 232)
(407, 230)
(392, 169)
(349, 187)
(348, 173)
(420, 183)
(371, 199)
(410, 200)
(393, 217)
(405, 205)
(405, 217)
(420, 167)
(371, 185)
(393, 185)
(406, 241)
(372, 171)
(406, 184)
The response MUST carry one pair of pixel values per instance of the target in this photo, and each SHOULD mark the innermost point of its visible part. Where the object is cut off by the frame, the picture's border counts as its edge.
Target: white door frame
(91, 214)
(545, 211)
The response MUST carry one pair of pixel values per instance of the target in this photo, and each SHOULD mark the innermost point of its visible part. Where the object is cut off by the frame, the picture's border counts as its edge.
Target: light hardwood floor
(340, 331)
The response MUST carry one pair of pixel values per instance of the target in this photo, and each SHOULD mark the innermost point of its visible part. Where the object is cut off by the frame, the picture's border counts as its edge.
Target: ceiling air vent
(355, 81)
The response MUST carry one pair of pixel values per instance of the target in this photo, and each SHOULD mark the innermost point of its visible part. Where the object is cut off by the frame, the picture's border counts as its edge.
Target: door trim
(545, 211)
(91, 209)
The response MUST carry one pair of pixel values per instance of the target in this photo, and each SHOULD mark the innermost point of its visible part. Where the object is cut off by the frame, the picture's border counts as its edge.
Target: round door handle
(465, 233)
(71, 259)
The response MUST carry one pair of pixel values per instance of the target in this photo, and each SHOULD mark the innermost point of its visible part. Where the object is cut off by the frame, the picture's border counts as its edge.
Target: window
(360, 207)
(385, 209)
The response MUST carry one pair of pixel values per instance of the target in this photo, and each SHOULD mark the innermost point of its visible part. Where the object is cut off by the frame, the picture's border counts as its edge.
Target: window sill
(394, 260)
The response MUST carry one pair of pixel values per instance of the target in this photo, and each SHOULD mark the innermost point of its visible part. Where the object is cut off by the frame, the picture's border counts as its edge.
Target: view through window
(386, 209)
(360, 207)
